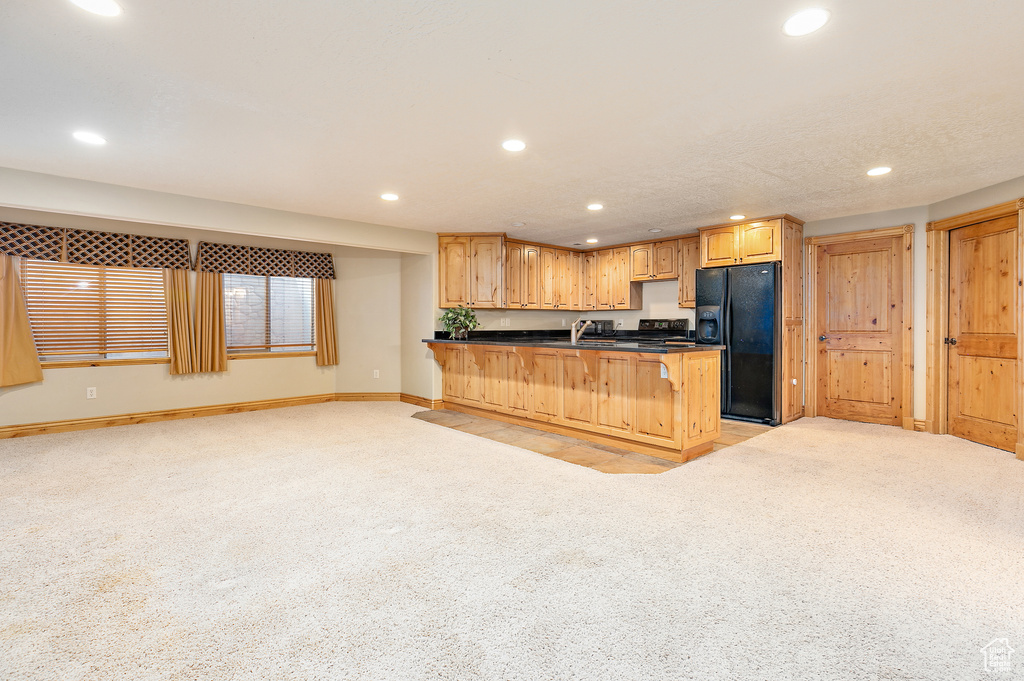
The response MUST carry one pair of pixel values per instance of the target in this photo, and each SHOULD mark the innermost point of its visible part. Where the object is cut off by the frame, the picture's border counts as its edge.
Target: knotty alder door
(859, 318)
(982, 341)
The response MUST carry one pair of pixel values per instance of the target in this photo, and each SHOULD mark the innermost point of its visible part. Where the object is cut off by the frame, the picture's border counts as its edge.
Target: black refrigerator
(738, 307)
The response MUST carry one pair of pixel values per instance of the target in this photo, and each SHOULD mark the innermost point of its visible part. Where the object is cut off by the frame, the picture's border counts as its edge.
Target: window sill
(73, 364)
(271, 355)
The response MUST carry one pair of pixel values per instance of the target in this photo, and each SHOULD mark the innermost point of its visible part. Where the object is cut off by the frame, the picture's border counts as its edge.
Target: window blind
(268, 314)
(77, 311)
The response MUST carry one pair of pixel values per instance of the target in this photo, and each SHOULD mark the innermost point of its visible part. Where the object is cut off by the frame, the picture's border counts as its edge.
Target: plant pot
(460, 334)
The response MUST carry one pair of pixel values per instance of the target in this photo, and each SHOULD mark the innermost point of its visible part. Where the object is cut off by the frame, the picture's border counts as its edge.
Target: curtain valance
(266, 262)
(84, 247)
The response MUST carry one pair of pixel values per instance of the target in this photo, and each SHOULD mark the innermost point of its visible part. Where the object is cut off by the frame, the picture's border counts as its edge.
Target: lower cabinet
(670, 403)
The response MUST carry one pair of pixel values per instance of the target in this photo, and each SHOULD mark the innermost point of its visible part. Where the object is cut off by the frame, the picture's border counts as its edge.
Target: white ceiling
(673, 114)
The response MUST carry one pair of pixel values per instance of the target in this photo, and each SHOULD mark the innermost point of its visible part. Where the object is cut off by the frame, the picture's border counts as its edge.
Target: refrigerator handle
(727, 341)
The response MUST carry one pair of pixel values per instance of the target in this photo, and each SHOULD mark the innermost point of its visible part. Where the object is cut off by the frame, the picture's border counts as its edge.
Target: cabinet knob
(821, 338)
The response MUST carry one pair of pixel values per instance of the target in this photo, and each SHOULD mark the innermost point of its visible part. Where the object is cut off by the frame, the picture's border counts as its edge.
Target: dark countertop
(564, 344)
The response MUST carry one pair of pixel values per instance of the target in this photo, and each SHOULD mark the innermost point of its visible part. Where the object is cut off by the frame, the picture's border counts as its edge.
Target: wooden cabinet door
(657, 405)
(588, 276)
(719, 247)
(616, 393)
(494, 389)
(689, 261)
(574, 285)
(858, 313)
(485, 267)
(641, 262)
(548, 278)
(579, 396)
(453, 263)
(760, 241)
(453, 381)
(547, 386)
(604, 278)
(514, 270)
(983, 306)
(620, 279)
(665, 260)
(518, 365)
(563, 293)
(531, 277)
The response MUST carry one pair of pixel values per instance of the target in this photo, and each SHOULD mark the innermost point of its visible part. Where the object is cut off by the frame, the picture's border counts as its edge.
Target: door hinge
(949, 341)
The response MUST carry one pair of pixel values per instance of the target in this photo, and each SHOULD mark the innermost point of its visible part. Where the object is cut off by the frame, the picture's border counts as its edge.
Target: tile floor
(604, 458)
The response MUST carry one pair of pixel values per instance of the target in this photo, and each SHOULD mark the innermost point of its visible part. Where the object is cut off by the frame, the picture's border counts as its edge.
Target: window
(84, 312)
(268, 314)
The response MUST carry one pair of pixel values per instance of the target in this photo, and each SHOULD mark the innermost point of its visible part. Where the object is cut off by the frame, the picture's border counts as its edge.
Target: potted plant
(459, 321)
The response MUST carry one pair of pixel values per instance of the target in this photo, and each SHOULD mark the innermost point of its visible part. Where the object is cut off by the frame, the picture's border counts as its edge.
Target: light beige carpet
(349, 541)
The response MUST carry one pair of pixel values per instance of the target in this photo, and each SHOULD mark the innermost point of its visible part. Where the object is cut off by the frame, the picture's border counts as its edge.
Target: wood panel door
(859, 330)
(760, 241)
(485, 265)
(454, 271)
(588, 275)
(548, 278)
(983, 308)
(719, 247)
(514, 266)
(641, 265)
(689, 260)
(666, 260)
(531, 277)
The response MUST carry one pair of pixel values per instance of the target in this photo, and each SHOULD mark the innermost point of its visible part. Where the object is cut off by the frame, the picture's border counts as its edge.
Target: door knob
(821, 338)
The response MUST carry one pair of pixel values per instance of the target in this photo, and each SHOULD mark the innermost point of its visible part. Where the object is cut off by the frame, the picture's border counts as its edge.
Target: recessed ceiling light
(654, 229)
(513, 145)
(389, 197)
(806, 21)
(881, 170)
(591, 241)
(518, 224)
(577, 244)
(737, 217)
(106, 8)
(595, 206)
(88, 137)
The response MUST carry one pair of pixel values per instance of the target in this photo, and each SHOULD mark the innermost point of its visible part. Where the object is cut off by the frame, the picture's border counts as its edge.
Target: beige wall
(421, 375)
(368, 309)
(919, 217)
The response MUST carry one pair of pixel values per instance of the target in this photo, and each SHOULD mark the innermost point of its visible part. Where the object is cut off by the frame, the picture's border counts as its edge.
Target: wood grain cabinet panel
(655, 403)
(689, 262)
(453, 263)
(759, 241)
(495, 378)
(519, 366)
(616, 385)
(719, 247)
(547, 386)
(655, 261)
(588, 282)
(578, 395)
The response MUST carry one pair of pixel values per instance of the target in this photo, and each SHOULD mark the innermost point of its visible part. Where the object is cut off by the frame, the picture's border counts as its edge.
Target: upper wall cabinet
(689, 260)
(654, 261)
(522, 276)
(743, 244)
(471, 271)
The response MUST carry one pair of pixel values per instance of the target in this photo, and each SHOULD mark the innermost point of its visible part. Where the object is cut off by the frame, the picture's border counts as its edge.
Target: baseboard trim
(29, 429)
(919, 426)
(422, 401)
(366, 397)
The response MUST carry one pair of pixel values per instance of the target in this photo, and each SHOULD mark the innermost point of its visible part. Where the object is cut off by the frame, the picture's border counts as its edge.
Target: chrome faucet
(575, 333)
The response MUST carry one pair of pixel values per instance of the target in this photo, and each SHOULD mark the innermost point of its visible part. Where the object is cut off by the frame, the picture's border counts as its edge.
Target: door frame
(937, 377)
(811, 245)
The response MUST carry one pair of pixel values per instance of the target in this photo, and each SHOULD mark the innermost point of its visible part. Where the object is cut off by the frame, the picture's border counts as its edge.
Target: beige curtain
(211, 343)
(184, 359)
(19, 361)
(326, 340)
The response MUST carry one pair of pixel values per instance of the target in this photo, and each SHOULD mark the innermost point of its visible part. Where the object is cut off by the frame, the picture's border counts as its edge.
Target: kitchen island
(655, 399)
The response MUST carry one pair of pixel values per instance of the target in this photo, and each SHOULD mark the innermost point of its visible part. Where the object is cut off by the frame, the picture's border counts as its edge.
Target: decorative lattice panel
(98, 248)
(30, 241)
(316, 265)
(223, 258)
(272, 262)
(152, 251)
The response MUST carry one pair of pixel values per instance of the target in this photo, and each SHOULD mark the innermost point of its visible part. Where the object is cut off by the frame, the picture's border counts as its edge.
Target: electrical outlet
(563, 321)
(508, 321)
(621, 322)
(376, 373)
(90, 393)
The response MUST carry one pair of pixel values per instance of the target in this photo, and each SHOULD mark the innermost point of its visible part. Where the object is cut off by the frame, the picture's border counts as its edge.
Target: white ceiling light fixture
(591, 241)
(89, 137)
(513, 145)
(880, 170)
(595, 206)
(389, 197)
(518, 224)
(105, 8)
(655, 229)
(806, 21)
(737, 217)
